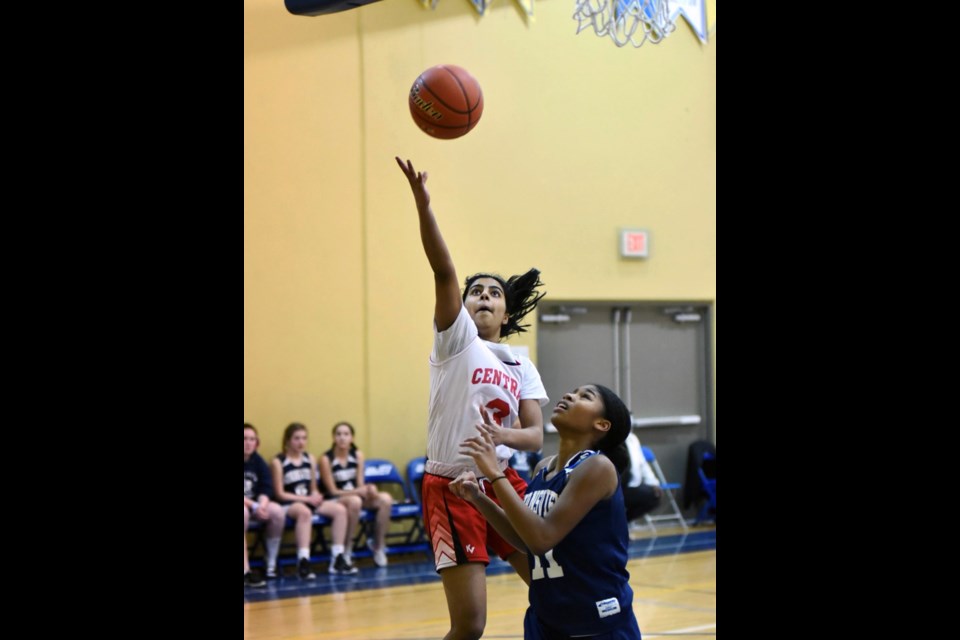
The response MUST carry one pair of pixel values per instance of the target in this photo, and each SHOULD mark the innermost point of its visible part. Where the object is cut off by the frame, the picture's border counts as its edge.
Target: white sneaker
(379, 555)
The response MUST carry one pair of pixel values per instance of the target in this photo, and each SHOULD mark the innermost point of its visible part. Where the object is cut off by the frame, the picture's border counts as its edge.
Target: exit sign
(634, 243)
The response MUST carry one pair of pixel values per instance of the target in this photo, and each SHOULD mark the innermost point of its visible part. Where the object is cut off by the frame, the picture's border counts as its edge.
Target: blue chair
(708, 482)
(415, 478)
(414, 481)
(668, 489)
(385, 475)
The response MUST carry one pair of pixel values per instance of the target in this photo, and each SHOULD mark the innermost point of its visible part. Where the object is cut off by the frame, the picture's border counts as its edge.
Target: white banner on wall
(694, 12)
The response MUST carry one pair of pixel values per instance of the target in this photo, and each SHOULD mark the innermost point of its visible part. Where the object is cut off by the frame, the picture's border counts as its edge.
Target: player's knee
(469, 624)
(301, 514)
(468, 629)
(354, 505)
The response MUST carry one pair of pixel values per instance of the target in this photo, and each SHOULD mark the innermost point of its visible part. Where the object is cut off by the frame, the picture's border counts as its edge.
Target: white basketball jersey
(467, 373)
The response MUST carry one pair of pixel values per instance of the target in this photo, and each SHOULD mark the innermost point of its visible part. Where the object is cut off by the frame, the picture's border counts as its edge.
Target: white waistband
(452, 471)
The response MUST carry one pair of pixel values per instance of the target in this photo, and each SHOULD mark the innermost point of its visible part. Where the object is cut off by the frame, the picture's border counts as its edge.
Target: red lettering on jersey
(498, 378)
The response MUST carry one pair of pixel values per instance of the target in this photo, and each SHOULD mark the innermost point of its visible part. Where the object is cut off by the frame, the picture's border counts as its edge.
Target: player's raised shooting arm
(448, 301)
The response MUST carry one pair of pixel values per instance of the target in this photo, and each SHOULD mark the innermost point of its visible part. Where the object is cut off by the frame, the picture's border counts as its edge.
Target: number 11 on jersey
(554, 570)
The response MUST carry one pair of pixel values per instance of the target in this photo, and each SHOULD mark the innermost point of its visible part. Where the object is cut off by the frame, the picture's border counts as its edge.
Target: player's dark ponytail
(613, 444)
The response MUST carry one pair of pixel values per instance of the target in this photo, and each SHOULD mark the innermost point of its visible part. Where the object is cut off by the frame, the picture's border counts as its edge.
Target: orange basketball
(446, 101)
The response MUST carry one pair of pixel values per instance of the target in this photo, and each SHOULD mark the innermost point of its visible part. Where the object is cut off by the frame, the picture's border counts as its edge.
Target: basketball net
(625, 21)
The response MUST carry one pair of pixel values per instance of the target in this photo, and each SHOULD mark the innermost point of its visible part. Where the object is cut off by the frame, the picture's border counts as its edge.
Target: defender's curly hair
(521, 297)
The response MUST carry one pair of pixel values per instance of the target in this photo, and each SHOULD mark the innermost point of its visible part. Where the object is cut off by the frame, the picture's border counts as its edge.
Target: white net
(625, 21)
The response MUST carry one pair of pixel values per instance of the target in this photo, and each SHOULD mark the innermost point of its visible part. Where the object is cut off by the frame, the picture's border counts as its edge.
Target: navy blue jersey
(344, 475)
(580, 587)
(256, 478)
(296, 477)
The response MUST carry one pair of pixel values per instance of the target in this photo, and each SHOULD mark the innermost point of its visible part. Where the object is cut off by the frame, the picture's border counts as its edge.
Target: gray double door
(656, 356)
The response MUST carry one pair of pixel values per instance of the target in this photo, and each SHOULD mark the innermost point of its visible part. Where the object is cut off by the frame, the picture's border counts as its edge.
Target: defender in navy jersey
(582, 582)
(572, 521)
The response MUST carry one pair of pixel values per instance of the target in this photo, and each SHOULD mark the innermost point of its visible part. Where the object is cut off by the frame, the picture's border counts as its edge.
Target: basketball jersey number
(499, 409)
(554, 570)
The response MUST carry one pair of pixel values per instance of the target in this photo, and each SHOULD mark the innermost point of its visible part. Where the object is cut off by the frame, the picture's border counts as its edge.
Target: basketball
(446, 101)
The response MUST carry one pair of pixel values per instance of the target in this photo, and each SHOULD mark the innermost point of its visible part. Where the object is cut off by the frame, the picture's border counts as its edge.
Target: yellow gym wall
(578, 138)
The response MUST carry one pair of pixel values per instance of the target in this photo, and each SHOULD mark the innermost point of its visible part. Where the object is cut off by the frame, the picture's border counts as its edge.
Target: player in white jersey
(470, 372)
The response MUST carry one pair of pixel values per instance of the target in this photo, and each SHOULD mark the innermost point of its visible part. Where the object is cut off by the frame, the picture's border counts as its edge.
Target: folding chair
(708, 482)
(668, 489)
(415, 490)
